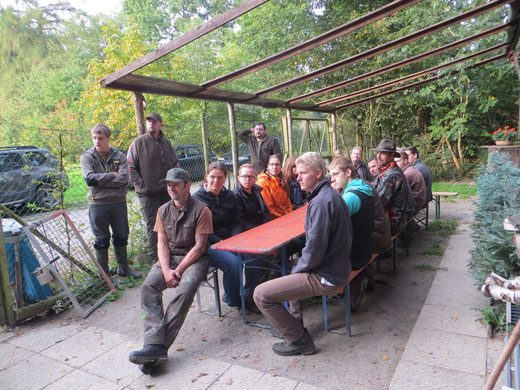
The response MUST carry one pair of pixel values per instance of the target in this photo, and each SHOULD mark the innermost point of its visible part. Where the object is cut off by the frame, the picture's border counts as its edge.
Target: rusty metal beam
(346, 28)
(194, 34)
(412, 76)
(386, 47)
(419, 83)
(400, 64)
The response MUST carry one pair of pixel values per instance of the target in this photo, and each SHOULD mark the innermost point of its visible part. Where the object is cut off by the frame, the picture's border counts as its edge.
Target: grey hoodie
(103, 186)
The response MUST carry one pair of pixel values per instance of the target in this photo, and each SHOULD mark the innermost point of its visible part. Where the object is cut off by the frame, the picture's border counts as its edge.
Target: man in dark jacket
(392, 187)
(105, 170)
(324, 266)
(260, 145)
(150, 156)
(413, 158)
(253, 211)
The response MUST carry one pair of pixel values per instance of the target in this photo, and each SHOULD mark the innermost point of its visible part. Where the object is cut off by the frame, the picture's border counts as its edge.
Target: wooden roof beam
(400, 64)
(194, 34)
(412, 76)
(346, 28)
(419, 83)
(386, 47)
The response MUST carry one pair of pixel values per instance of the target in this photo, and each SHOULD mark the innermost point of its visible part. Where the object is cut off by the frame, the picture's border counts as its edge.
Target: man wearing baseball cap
(392, 187)
(150, 156)
(182, 226)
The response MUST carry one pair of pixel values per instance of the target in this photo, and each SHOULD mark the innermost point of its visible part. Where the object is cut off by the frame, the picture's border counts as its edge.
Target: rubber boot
(102, 258)
(122, 263)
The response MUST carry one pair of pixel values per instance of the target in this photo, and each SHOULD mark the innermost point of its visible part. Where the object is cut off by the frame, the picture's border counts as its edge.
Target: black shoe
(303, 346)
(251, 305)
(146, 369)
(150, 354)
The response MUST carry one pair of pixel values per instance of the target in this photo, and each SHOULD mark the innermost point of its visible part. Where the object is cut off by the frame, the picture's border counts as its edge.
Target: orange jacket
(274, 195)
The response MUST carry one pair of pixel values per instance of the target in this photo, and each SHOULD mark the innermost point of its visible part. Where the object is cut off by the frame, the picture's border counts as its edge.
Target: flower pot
(503, 143)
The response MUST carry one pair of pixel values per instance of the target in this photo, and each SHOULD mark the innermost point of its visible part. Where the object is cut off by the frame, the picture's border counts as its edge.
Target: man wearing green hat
(183, 225)
(392, 187)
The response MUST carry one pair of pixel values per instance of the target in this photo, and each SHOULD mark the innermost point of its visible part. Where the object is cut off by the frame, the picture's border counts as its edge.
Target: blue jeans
(229, 264)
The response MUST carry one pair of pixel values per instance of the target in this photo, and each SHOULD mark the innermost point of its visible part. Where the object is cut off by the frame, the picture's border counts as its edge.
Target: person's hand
(115, 173)
(170, 278)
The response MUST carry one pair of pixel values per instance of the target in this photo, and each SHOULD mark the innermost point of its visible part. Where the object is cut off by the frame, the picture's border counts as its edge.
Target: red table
(265, 239)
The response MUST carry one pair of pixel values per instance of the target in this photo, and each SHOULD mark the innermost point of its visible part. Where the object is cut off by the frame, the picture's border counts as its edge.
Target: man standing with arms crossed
(260, 145)
(150, 156)
(183, 226)
(105, 171)
(324, 266)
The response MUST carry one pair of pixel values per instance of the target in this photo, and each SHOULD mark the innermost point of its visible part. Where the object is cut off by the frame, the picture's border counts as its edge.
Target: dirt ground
(380, 330)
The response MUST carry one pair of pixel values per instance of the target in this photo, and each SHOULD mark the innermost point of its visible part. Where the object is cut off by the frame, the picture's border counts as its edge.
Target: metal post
(204, 139)
(308, 135)
(289, 133)
(333, 131)
(6, 298)
(139, 113)
(234, 144)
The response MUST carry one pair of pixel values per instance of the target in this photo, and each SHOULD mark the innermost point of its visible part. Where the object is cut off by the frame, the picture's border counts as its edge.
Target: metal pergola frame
(125, 79)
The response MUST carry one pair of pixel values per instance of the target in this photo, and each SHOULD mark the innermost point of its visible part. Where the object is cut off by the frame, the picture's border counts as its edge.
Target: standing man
(360, 166)
(183, 226)
(392, 187)
(150, 156)
(324, 266)
(260, 145)
(373, 167)
(414, 178)
(105, 170)
(413, 158)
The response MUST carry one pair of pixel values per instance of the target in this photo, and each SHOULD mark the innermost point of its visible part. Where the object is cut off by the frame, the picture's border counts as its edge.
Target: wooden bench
(437, 200)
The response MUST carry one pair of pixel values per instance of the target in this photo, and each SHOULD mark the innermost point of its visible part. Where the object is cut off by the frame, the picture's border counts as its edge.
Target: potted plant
(505, 136)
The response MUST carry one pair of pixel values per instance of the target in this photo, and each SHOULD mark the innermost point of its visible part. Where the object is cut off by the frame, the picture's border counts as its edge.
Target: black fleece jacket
(225, 213)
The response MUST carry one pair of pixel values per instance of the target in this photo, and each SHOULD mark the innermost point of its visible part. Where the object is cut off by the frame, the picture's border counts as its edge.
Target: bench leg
(437, 201)
(346, 302)
(217, 293)
(324, 308)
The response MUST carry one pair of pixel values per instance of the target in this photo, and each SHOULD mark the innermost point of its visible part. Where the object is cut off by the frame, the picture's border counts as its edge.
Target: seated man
(358, 196)
(183, 226)
(324, 266)
(414, 178)
(413, 158)
(253, 211)
(392, 187)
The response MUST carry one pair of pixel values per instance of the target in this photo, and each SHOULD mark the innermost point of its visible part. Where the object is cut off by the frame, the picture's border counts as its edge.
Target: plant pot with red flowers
(505, 136)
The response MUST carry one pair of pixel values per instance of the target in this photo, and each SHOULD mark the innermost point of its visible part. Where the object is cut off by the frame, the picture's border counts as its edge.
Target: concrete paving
(446, 348)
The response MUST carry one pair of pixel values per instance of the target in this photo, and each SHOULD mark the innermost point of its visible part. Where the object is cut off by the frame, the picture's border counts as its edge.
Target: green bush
(498, 196)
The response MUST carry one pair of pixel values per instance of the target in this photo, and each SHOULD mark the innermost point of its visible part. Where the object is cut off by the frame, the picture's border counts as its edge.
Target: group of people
(353, 209)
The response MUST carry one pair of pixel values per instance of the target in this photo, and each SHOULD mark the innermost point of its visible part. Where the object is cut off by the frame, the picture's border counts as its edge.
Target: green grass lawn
(465, 190)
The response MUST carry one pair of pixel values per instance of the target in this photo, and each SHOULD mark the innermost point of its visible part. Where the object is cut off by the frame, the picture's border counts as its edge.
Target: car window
(180, 153)
(10, 162)
(193, 151)
(36, 158)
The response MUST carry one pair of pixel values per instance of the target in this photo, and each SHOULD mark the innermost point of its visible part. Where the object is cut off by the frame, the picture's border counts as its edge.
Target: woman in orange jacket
(273, 188)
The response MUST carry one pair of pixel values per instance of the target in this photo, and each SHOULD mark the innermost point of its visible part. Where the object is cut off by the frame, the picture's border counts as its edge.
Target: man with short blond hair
(105, 170)
(324, 266)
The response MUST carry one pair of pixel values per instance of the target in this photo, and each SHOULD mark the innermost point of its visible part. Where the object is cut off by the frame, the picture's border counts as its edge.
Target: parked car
(29, 174)
(191, 159)
(244, 156)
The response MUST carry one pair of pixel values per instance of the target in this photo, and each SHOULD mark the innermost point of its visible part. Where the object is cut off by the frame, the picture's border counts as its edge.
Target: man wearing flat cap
(150, 156)
(392, 187)
(183, 226)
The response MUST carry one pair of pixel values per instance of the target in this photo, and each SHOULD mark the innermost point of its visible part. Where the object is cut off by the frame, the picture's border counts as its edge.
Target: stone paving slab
(12, 354)
(455, 289)
(84, 346)
(81, 380)
(42, 337)
(451, 319)
(35, 372)
(447, 350)
(413, 376)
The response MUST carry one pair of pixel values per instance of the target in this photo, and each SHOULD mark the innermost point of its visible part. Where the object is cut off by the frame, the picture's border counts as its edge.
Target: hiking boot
(150, 354)
(122, 263)
(303, 346)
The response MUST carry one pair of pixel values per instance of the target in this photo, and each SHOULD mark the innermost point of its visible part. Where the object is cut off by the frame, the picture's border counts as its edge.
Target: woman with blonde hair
(273, 188)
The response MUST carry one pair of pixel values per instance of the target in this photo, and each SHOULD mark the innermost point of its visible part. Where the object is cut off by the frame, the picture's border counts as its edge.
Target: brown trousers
(269, 298)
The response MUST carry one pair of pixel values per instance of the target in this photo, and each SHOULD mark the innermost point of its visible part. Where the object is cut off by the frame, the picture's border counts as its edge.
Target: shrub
(498, 196)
